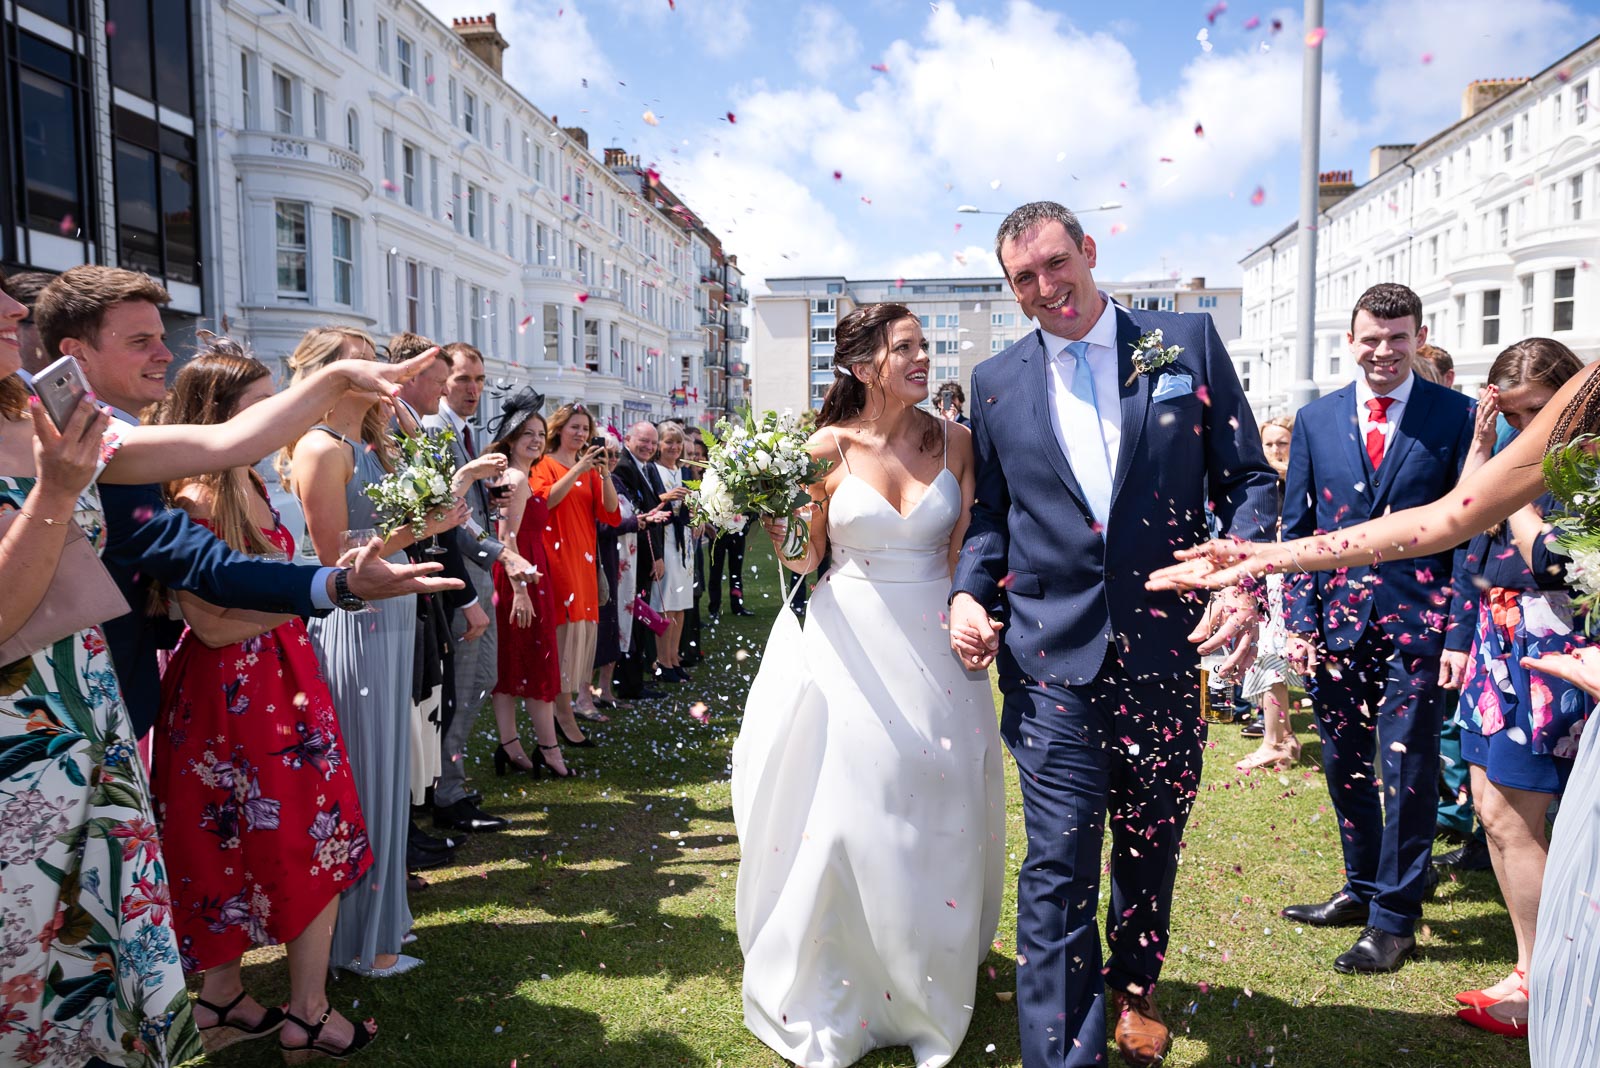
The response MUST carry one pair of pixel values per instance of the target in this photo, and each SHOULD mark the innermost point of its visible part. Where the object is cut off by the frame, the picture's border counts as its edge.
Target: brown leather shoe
(1142, 1037)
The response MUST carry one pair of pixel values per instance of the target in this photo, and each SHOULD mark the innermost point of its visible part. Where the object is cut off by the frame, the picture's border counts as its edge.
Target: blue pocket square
(1171, 387)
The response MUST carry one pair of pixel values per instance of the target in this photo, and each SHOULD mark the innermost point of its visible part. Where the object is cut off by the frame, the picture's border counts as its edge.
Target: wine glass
(358, 539)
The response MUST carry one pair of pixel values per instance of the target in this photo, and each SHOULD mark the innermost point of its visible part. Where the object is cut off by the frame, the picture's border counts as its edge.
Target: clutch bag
(82, 593)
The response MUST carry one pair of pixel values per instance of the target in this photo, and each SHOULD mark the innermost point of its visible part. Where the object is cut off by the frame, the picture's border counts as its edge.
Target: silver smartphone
(59, 388)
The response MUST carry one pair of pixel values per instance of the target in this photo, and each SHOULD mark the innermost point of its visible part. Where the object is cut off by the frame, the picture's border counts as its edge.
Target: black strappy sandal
(222, 1034)
(313, 1049)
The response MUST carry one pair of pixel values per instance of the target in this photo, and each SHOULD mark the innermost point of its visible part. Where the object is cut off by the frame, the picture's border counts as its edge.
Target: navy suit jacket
(1032, 547)
(1330, 486)
(147, 542)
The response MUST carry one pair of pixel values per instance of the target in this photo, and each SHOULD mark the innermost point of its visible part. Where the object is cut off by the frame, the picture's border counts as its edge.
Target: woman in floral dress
(258, 809)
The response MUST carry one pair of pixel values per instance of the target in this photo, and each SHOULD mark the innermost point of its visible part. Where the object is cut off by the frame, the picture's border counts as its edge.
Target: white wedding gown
(869, 802)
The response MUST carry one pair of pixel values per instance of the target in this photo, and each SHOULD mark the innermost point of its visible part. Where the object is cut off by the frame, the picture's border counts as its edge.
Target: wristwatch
(342, 597)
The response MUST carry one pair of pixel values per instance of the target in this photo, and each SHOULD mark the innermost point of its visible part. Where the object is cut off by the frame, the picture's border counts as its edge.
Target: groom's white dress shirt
(1092, 454)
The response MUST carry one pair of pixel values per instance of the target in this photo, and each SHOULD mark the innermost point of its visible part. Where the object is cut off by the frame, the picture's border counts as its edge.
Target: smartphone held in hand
(59, 388)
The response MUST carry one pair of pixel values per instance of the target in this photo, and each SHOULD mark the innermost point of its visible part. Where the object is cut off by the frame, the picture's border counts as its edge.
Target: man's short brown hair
(403, 347)
(1441, 360)
(461, 348)
(75, 303)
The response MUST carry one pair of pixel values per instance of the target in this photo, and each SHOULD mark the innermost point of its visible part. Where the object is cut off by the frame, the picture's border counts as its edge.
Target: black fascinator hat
(521, 404)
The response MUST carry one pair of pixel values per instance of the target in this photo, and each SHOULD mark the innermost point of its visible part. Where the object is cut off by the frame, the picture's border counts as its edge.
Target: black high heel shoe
(544, 765)
(587, 743)
(503, 761)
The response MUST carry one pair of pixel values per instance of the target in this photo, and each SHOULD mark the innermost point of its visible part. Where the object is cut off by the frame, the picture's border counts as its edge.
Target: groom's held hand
(974, 636)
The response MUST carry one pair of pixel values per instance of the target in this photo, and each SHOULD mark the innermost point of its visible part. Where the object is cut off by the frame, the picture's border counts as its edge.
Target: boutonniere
(1149, 354)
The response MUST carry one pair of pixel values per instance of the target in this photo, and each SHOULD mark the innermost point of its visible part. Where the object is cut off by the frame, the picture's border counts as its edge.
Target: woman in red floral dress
(259, 814)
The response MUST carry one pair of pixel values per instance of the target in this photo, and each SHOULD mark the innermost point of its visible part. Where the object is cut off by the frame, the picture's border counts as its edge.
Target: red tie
(1379, 408)
(472, 448)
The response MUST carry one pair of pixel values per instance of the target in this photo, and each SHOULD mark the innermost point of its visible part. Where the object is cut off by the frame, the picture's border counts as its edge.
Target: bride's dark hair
(858, 340)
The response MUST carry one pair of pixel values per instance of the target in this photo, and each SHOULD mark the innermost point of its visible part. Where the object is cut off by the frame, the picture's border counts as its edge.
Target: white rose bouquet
(419, 484)
(1572, 474)
(761, 467)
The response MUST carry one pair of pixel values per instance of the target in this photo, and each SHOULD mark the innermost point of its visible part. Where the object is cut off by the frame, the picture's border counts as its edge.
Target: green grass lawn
(598, 931)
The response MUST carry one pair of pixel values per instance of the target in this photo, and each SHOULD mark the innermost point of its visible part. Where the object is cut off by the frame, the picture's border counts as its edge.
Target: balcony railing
(715, 358)
(738, 332)
(737, 295)
(710, 319)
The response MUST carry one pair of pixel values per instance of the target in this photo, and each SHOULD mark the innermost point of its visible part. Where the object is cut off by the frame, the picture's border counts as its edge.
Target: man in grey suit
(475, 657)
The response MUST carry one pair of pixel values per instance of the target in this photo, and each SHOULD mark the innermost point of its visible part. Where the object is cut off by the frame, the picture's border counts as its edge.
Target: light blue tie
(1095, 480)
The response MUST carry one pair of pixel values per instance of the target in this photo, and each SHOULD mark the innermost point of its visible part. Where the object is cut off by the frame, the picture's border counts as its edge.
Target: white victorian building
(1495, 222)
(374, 169)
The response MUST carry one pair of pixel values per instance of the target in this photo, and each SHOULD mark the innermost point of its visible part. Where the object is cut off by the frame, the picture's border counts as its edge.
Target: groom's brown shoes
(1142, 1037)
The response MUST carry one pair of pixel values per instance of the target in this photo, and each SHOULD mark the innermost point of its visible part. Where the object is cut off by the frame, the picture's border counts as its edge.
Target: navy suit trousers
(1132, 749)
(1376, 704)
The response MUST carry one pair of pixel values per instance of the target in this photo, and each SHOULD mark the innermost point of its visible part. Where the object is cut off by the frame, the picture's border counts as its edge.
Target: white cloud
(720, 27)
(551, 49)
(824, 41)
(1464, 40)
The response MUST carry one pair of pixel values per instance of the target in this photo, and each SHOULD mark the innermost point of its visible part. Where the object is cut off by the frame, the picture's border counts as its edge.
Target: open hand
(1581, 667)
(372, 578)
(381, 380)
(1218, 563)
(489, 465)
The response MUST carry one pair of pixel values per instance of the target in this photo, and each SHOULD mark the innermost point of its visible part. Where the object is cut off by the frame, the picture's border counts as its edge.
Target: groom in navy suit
(1369, 638)
(1102, 440)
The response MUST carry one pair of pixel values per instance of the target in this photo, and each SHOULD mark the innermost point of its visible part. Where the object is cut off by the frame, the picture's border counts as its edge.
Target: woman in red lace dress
(525, 616)
(259, 814)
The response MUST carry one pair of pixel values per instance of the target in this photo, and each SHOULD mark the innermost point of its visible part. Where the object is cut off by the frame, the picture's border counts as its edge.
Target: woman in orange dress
(570, 545)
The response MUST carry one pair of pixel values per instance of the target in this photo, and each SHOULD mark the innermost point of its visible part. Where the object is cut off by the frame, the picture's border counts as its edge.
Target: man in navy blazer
(1369, 638)
(1092, 468)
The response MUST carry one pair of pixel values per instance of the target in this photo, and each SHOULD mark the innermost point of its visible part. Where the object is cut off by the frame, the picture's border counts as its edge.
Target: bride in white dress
(867, 784)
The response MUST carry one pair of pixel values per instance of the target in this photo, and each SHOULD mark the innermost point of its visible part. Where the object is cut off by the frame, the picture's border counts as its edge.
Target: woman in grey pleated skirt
(365, 656)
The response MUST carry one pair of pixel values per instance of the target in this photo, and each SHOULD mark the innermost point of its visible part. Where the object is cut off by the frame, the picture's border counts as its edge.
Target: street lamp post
(971, 209)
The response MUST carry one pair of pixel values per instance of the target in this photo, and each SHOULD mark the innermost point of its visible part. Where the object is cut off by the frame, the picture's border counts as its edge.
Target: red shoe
(1481, 1018)
(1482, 999)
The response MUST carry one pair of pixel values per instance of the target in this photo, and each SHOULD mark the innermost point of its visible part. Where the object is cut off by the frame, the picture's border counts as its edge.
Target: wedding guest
(950, 400)
(618, 550)
(673, 593)
(1440, 363)
(1370, 641)
(1519, 732)
(54, 868)
(366, 658)
(636, 478)
(476, 656)
(260, 822)
(525, 612)
(1267, 681)
(576, 503)
(727, 554)
(693, 464)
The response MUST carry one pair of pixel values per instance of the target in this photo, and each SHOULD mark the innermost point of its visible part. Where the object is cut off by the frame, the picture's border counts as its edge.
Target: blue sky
(997, 102)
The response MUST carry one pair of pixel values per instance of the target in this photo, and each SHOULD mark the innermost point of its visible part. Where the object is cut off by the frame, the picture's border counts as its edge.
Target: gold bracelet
(46, 520)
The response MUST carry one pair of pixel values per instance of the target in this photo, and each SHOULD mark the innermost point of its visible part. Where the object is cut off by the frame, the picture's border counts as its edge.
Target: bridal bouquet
(760, 466)
(1572, 474)
(419, 484)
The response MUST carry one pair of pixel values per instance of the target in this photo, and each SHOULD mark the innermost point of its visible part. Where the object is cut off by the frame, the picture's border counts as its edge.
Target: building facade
(965, 321)
(1495, 222)
(105, 162)
(375, 169)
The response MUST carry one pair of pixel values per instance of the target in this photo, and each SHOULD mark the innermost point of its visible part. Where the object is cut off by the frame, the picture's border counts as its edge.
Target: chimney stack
(482, 38)
(1386, 156)
(1480, 94)
(1197, 283)
(1334, 186)
(578, 134)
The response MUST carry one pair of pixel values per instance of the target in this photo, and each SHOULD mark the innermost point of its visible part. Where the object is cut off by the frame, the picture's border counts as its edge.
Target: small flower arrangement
(419, 484)
(1149, 354)
(759, 467)
(1572, 474)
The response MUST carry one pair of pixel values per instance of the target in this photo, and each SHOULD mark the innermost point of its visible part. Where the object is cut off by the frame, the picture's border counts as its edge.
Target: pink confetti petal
(1314, 38)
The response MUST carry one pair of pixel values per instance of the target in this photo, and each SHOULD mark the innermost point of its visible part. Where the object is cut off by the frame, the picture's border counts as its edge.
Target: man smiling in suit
(1143, 428)
(1369, 639)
